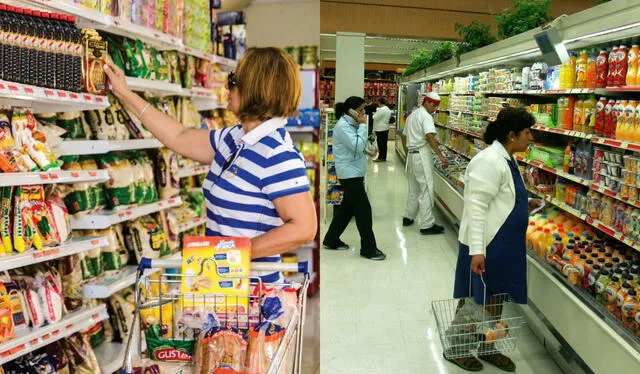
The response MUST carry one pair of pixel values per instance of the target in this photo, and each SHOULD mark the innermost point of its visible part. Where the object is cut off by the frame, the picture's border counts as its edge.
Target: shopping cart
(467, 329)
(148, 291)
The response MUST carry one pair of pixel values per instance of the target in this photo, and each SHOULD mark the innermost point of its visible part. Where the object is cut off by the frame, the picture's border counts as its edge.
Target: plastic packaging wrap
(146, 238)
(220, 348)
(7, 331)
(70, 267)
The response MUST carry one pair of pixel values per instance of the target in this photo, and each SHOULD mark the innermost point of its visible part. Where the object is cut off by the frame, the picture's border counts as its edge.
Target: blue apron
(506, 260)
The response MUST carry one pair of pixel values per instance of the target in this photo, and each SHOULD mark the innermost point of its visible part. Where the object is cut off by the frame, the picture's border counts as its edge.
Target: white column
(349, 65)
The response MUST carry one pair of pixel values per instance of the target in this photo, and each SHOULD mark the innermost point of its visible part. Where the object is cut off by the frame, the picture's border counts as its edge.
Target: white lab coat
(381, 119)
(489, 198)
(420, 199)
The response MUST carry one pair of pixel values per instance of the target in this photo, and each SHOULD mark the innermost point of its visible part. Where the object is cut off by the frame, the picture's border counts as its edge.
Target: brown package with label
(95, 54)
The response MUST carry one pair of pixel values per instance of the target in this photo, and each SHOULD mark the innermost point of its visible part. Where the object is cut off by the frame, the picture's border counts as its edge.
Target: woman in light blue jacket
(349, 147)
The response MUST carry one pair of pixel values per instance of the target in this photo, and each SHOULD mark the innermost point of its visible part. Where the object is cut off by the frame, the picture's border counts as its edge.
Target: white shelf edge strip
(197, 170)
(109, 218)
(69, 248)
(92, 147)
(106, 286)
(191, 224)
(39, 337)
(50, 177)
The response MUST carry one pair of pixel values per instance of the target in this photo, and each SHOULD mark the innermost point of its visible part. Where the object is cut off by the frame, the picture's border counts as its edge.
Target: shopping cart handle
(299, 267)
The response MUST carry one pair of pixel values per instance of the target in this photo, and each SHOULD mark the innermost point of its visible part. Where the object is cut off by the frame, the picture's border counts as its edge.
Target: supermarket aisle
(375, 316)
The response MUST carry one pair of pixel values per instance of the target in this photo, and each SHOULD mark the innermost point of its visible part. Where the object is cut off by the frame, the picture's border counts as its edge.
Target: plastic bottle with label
(621, 65)
(600, 116)
(578, 115)
(618, 109)
(611, 74)
(571, 71)
(609, 119)
(632, 66)
(592, 72)
(602, 69)
(581, 69)
(590, 107)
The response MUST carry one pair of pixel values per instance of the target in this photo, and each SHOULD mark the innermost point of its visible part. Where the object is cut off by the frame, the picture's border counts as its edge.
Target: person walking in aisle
(419, 131)
(257, 186)
(381, 126)
(493, 227)
(349, 147)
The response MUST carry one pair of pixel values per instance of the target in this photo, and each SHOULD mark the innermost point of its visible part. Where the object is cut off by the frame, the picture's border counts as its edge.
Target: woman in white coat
(494, 223)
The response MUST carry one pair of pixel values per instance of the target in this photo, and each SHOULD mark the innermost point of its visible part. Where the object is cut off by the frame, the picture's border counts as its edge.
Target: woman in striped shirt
(257, 185)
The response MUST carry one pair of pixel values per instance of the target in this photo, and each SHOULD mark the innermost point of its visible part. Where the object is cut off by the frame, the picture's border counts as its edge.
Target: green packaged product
(146, 238)
(173, 67)
(116, 51)
(189, 71)
(167, 350)
(160, 68)
(120, 190)
(71, 122)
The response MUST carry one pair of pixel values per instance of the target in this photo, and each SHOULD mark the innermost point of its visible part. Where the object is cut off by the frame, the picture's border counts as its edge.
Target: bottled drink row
(40, 48)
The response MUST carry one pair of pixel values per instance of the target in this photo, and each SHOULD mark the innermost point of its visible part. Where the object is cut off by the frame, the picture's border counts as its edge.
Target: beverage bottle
(561, 108)
(609, 119)
(571, 71)
(49, 31)
(563, 76)
(59, 57)
(628, 308)
(592, 70)
(578, 115)
(620, 122)
(534, 241)
(612, 66)
(601, 284)
(566, 161)
(632, 66)
(602, 69)
(621, 65)
(600, 116)
(19, 40)
(4, 32)
(558, 245)
(76, 54)
(630, 116)
(568, 113)
(581, 69)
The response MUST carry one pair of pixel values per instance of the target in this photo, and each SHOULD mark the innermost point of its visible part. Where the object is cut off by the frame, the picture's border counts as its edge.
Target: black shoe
(377, 255)
(337, 246)
(406, 221)
(433, 230)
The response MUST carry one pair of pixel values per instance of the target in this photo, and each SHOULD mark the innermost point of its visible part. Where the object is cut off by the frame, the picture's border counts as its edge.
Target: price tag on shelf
(13, 88)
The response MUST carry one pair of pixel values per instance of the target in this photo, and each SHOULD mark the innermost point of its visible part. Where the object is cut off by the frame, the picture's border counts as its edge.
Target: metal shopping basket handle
(294, 267)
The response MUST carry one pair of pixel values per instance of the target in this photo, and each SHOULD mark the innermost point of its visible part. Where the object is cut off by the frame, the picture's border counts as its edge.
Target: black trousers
(383, 139)
(354, 203)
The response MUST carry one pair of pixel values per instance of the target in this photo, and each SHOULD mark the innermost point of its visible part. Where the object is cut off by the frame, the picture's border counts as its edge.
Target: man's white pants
(420, 199)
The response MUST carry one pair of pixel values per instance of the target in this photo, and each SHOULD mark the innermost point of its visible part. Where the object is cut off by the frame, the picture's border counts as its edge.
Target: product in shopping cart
(145, 365)
(157, 313)
(220, 348)
(167, 350)
(204, 260)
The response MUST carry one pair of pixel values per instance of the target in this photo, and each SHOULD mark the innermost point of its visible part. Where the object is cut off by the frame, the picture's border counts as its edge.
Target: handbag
(372, 146)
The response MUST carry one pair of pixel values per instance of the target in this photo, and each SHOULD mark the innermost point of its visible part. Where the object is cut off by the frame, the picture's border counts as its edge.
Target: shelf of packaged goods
(45, 100)
(158, 88)
(572, 133)
(186, 226)
(36, 338)
(110, 356)
(92, 147)
(299, 128)
(51, 177)
(107, 218)
(466, 112)
(104, 287)
(475, 135)
(208, 104)
(558, 172)
(607, 192)
(189, 172)
(455, 150)
(618, 90)
(616, 144)
(225, 63)
(73, 246)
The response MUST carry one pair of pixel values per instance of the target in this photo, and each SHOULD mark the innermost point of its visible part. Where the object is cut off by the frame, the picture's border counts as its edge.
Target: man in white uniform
(381, 126)
(419, 131)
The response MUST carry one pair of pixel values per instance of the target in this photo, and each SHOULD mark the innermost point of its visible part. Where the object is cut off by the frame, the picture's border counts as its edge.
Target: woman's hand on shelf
(117, 80)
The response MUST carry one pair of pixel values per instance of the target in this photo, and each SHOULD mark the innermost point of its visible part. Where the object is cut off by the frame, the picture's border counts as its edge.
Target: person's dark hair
(509, 119)
(382, 101)
(353, 102)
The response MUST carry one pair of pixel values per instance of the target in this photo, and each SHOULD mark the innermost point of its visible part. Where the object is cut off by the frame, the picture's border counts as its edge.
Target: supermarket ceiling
(379, 49)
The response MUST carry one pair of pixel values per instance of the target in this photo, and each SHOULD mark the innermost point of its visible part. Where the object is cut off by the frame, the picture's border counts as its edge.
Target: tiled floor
(375, 317)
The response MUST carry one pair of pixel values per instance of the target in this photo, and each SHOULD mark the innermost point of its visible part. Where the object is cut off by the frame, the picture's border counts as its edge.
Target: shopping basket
(467, 329)
(288, 357)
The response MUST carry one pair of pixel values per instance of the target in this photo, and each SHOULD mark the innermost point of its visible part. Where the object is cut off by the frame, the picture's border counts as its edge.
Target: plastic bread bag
(6, 229)
(70, 268)
(265, 338)
(146, 238)
(166, 180)
(123, 306)
(7, 331)
(58, 357)
(120, 189)
(220, 348)
(190, 319)
(147, 366)
(18, 305)
(82, 359)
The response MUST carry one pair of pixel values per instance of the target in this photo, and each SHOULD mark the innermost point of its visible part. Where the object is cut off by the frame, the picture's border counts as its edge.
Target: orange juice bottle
(578, 115)
(581, 69)
(632, 66)
(621, 131)
(592, 74)
(629, 120)
(563, 76)
(534, 239)
(589, 120)
(571, 71)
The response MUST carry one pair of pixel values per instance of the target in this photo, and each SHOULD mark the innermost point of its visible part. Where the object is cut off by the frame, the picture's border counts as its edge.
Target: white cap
(432, 96)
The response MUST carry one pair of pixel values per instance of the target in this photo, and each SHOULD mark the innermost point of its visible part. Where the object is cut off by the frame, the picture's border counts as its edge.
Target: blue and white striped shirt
(248, 172)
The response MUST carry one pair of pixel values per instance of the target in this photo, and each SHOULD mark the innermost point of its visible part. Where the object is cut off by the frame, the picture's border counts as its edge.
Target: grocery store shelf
(605, 191)
(455, 150)
(45, 100)
(73, 246)
(50, 177)
(107, 218)
(107, 286)
(575, 134)
(617, 144)
(110, 356)
(299, 128)
(157, 88)
(558, 172)
(189, 172)
(186, 226)
(475, 135)
(92, 147)
(208, 104)
(36, 338)
(466, 112)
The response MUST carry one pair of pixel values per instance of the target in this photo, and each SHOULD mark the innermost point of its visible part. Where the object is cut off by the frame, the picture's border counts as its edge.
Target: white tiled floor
(375, 317)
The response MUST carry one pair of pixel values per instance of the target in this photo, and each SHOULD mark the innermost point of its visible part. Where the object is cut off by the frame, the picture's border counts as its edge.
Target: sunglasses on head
(231, 81)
